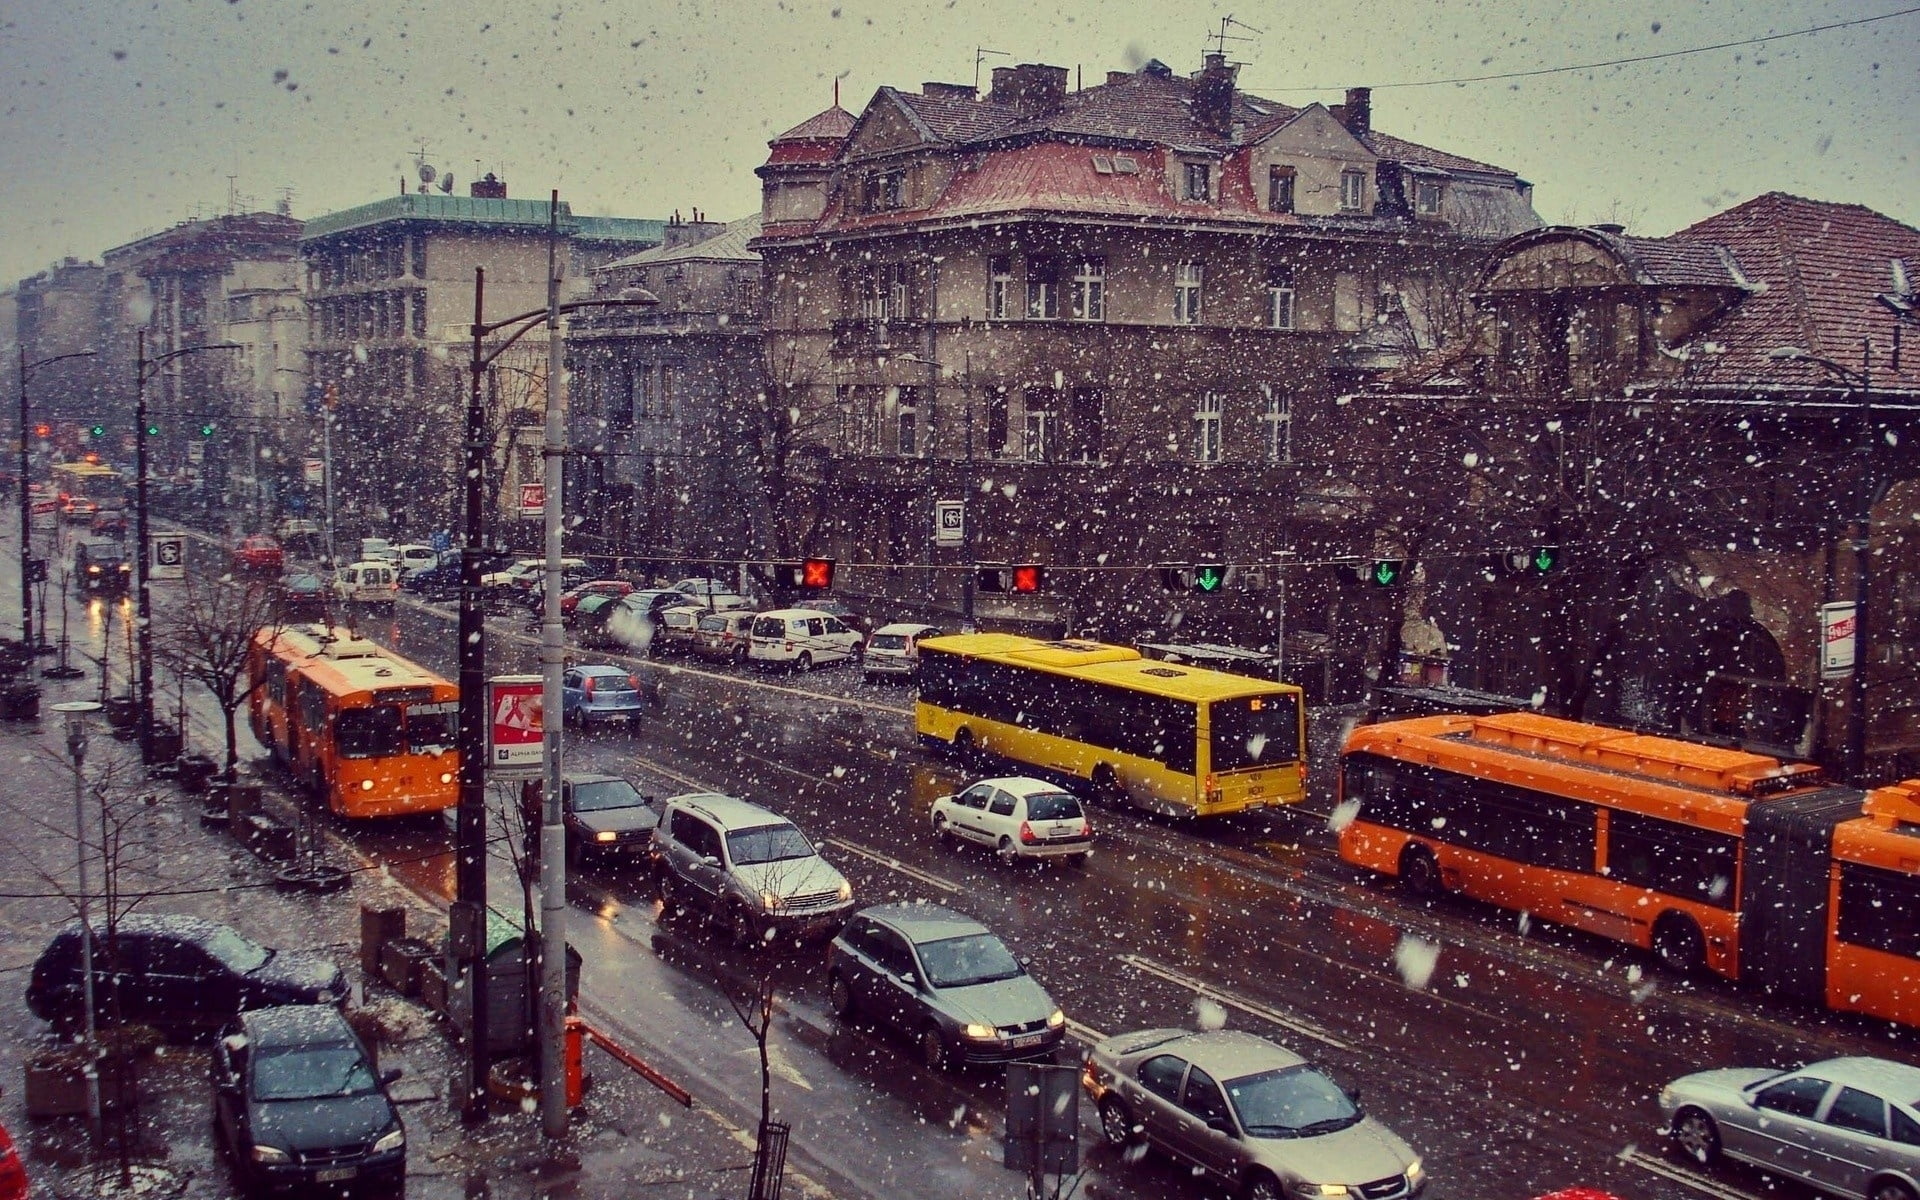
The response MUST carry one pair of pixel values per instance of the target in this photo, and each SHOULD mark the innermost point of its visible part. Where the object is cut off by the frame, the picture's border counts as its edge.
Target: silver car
(1250, 1113)
(1847, 1126)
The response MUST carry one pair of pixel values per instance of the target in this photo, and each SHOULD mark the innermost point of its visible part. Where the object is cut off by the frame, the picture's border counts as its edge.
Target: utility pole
(553, 830)
(467, 918)
(26, 502)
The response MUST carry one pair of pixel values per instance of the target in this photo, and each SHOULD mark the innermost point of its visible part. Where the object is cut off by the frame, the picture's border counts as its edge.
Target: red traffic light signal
(1028, 577)
(814, 573)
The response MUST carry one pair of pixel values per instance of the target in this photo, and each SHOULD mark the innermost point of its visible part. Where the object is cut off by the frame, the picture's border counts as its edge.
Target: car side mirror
(1025, 961)
(1353, 1094)
(709, 860)
(390, 1076)
(1221, 1125)
(910, 979)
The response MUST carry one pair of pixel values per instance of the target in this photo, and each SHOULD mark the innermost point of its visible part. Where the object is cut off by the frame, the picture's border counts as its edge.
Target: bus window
(1877, 909)
(372, 732)
(1257, 731)
(1666, 856)
(429, 732)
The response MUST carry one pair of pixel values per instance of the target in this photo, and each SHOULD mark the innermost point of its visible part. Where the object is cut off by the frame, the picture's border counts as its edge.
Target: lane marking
(1084, 1033)
(1685, 1178)
(1202, 988)
(952, 889)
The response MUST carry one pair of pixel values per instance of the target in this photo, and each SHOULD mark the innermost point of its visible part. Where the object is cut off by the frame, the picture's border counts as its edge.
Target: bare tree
(209, 638)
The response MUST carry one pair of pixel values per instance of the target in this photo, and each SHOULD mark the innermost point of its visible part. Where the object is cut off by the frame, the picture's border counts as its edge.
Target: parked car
(594, 623)
(946, 981)
(297, 1103)
(177, 973)
(369, 582)
(376, 549)
(525, 574)
(605, 816)
(629, 622)
(303, 594)
(594, 695)
(1251, 1114)
(802, 638)
(100, 565)
(722, 637)
(674, 629)
(434, 583)
(533, 597)
(701, 588)
(259, 553)
(294, 528)
(109, 523)
(747, 867)
(1017, 816)
(840, 610)
(14, 1184)
(1845, 1126)
(594, 587)
(894, 650)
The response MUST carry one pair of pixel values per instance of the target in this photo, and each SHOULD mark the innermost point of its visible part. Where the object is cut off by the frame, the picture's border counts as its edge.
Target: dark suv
(100, 565)
(179, 974)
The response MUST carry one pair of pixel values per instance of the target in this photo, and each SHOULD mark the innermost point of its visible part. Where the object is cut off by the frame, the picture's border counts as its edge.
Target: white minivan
(367, 583)
(801, 638)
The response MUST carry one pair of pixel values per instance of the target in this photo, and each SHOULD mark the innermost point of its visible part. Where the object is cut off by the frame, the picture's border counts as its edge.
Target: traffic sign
(533, 499)
(169, 560)
(949, 522)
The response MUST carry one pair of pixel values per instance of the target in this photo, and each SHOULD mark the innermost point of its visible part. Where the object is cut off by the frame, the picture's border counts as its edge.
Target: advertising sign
(515, 730)
(169, 559)
(949, 522)
(533, 499)
(314, 470)
(1838, 638)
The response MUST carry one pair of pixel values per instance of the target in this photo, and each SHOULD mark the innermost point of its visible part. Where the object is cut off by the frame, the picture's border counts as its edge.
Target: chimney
(1030, 88)
(1114, 77)
(948, 91)
(490, 188)
(1357, 113)
(1213, 95)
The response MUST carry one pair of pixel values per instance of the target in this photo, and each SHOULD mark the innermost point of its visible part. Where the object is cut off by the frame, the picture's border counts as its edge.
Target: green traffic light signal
(1208, 577)
(98, 431)
(153, 430)
(1387, 572)
(1544, 560)
(206, 430)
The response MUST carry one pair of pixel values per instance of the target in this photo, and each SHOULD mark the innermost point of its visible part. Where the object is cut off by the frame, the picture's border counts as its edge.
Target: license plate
(1031, 1039)
(335, 1174)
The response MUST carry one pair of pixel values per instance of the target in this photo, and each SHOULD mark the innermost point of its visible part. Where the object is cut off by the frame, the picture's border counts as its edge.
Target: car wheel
(963, 745)
(804, 663)
(1116, 1123)
(942, 828)
(840, 997)
(1006, 849)
(1696, 1135)
(744, 929)
(1262, 1186)
(1420, 872)
(1081, 859)
(1890, 1189)
(933, 1049)
(1678, 945)
(739, 656)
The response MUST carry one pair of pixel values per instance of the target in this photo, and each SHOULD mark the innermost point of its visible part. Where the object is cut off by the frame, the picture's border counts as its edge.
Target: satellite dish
(446, 183)
(427, 173)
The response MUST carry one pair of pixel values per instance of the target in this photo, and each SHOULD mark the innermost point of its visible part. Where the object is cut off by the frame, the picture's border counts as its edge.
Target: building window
(996, 421)
(1187, 281)
(1087, 429)
(669, 382)
(617, 386)
(1353, 191)
(1278, 415)
(1090, 290)
(419, 312)
(1426, 197)
(1039, 431)
(999, 288)
(1280, 297)
(1206, 416)
(906, 420)
(1280, 189)
(1199, 181)
(419, 247)
(886, 191)
(899, 279)
(641, 383)
(1043, 289)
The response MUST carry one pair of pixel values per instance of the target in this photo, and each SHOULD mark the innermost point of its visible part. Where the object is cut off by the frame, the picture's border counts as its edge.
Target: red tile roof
(833, 124)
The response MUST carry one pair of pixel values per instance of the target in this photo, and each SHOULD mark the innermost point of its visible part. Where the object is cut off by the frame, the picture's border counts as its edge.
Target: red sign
(516, 729)
(533, 499)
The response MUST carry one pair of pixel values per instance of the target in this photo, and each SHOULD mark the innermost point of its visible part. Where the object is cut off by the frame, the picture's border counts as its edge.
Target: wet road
(1517, 1059)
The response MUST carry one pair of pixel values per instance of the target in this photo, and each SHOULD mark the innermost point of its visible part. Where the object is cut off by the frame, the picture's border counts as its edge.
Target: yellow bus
(1179, 740)
(97, 482)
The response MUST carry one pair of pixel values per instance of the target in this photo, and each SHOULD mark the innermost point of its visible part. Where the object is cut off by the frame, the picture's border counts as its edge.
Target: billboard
(515, 728)
(1838, 640)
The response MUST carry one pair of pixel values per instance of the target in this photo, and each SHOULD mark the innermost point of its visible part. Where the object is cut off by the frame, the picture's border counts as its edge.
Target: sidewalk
(628, 1139)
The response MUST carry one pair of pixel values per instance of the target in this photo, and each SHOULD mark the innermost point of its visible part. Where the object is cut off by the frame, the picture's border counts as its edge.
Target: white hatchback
(802, 638)
(1018, 817)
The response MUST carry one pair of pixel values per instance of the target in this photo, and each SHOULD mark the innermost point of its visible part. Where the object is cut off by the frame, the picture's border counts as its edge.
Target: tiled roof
(1400, 150)
(953, 118)
(831, 125)
(1819, 269)
(729, 245)
(1677, 262)
(526, 215)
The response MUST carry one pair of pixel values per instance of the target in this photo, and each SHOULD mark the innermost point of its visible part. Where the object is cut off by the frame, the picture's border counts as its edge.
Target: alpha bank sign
(1839, 639)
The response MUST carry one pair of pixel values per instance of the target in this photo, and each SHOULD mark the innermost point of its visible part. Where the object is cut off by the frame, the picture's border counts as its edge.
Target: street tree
(207, 639)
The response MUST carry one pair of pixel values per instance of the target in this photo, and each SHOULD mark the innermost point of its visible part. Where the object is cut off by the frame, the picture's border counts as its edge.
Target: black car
(177, 973)
(606, 816)
(297, 1103)
(100, 565)
(434, 583)
(303, 594)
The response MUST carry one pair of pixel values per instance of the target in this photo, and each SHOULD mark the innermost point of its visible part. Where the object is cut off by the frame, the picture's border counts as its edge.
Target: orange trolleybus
(1715, 859)
(370, 732)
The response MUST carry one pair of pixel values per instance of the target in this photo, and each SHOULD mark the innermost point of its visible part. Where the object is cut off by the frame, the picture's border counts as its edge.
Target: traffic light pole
(966, 520)
(26, 516)
(143, 548)
(467, 921)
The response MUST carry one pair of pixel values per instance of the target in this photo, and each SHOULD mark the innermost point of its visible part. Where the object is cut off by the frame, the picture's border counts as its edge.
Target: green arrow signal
(1384, 573)
(1545, 559)
(1209, 579)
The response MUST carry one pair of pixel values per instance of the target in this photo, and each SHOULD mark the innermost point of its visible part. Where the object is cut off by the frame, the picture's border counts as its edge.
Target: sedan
(1248, 1112)
(1017, 816)
(946, 981)
(605, 816)
(296, 1102)
(598, 694)
(259, 553)
(434, 583)
(302, 594)
(1846, 1126)
(596, 587)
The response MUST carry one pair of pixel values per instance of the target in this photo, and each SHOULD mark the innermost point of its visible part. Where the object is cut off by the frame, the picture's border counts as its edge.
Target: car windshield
(237, 952)
(603, 794)
(310, 1072)
(1052, 806)
(767, 843)
(1291, 1102)
(962, 961)
(769, 627)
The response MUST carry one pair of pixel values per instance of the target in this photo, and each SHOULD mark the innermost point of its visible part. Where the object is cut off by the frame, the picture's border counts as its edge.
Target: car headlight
(606, 835)
(846, 890)
(1416, 1171)
(391, 1141)
(979, 1033)
(1056, 1019)
(1302, 1188)
(269, 1154)
(769, 901)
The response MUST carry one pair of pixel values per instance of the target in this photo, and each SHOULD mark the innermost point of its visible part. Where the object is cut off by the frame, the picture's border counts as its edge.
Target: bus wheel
(1420, 872)
(1678, 945)
(1106, 787)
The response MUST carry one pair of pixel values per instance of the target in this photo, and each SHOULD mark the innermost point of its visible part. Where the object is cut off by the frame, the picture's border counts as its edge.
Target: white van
(367, 583)
(801, 638)
(412, 557)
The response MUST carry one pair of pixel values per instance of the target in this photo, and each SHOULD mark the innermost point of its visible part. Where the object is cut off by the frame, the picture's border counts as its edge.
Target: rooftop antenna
(1221, 39)
(980, 54)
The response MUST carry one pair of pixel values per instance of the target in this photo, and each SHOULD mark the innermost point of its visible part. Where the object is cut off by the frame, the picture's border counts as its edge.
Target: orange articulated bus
(372, 733)
(1714, 859)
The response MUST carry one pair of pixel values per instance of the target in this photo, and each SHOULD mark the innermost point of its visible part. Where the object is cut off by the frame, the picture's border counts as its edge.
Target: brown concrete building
(1115, 318)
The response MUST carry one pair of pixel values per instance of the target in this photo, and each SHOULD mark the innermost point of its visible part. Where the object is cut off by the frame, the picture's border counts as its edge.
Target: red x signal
(1029, 577)
(817, 573)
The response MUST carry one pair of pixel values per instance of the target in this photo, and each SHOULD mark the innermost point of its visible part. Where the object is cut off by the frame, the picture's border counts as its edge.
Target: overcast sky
(123, 117)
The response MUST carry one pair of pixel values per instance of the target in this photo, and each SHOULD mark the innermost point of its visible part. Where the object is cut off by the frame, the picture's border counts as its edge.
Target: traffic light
(1174, 577)
(1206, 577)
(1029, 577)
(1209, 577)
(153, 430)
(43, 430)
(812, 573)
(1026, 578)
(206, 429)
(1387, 572)
(1544, 560)
(97, 432)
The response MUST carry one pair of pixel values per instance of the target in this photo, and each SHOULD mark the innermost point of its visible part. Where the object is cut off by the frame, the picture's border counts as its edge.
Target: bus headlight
(446, 777)
(366, 785)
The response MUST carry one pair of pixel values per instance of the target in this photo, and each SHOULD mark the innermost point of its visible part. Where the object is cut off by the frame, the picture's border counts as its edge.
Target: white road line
(1084, 1033)
(1201, 987)
(952, 889)
(1699, 1183)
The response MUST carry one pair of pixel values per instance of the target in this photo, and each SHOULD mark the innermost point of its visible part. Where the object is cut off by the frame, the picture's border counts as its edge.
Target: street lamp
(467, 916)
(143, 369)
(966, 501)
(1861, 383)
(78, 714)
(26, 503)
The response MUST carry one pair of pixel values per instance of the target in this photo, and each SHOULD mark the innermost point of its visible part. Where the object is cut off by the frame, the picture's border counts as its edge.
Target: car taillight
(1086, 827)
(587, 685)
(633, 681)
(1026, 834)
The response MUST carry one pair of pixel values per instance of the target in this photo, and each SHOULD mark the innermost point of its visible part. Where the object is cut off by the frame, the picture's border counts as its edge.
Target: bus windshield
(372, 732)
(429, 732)
(1255, 731)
